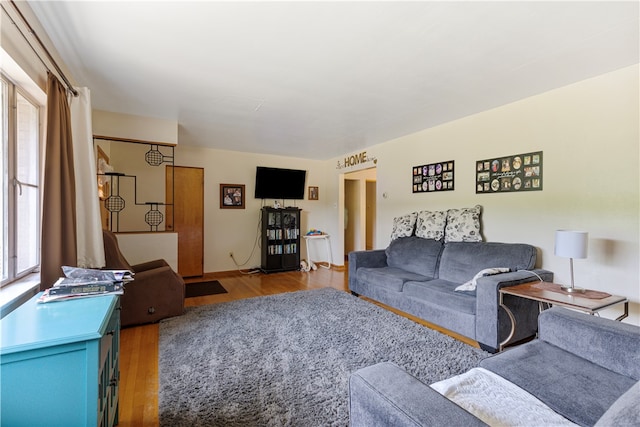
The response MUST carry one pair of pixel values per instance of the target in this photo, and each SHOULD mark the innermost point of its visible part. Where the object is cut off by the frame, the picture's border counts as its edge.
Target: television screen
(275, 183)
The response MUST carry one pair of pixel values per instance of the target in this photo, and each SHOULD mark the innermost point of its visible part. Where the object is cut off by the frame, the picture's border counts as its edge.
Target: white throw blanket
(496, 401)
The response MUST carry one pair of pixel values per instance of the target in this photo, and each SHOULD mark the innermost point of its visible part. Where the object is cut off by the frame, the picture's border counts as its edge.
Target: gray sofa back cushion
(414, 254)
(460, 261)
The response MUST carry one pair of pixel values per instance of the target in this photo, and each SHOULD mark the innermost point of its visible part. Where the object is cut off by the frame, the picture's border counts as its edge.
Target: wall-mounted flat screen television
(276, 183)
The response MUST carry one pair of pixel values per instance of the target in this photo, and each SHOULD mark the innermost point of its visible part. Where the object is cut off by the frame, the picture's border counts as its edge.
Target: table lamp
(571, 244)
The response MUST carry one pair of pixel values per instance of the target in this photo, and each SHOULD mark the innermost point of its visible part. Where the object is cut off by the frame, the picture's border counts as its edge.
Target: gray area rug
(285, 360)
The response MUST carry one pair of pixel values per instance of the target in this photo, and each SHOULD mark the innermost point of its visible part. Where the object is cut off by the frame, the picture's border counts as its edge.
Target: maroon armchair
(156, 293)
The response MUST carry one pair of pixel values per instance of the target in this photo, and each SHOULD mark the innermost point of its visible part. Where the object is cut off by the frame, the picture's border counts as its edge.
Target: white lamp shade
(571, 244)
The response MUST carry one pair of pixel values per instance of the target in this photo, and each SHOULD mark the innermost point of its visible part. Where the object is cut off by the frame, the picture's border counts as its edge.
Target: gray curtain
(58, 200)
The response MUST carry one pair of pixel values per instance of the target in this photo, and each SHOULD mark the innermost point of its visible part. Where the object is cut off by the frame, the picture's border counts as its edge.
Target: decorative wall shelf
(129, 172)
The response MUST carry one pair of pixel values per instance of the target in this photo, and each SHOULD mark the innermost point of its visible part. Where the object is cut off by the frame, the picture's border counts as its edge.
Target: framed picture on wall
(313, 193)
(433, 177)
(232, 196)
(516, 172)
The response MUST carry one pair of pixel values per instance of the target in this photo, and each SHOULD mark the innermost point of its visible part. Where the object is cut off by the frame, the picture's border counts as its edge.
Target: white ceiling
(321, 79)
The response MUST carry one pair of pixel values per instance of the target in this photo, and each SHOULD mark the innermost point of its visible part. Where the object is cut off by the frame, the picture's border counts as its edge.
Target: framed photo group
(517, 172)
(520, 172)
(433, 177)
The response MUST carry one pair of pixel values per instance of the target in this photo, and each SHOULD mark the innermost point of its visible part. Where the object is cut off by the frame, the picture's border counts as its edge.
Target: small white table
(324, 237)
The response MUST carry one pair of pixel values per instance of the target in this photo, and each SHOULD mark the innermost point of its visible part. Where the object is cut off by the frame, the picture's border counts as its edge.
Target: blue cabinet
(59, 363)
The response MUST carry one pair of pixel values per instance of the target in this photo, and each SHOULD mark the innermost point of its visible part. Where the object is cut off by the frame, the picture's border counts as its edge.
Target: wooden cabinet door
(186, 216)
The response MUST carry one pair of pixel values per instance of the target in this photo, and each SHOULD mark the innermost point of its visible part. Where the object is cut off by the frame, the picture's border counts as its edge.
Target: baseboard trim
(214, 275)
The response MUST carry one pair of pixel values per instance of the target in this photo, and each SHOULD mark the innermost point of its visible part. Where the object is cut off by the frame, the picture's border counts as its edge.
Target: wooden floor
(139, 345)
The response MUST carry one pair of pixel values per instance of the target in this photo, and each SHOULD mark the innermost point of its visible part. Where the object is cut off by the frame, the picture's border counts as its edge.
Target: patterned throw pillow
(403, 226)
(430, 225)
(463, 225)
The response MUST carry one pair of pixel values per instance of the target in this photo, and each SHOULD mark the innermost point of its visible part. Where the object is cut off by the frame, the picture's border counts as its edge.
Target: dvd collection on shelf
(277, 233)
(86, 282)
(290, 248)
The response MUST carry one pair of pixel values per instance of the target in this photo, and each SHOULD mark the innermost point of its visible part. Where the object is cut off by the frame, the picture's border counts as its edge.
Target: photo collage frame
(520, 172)
(434, 177)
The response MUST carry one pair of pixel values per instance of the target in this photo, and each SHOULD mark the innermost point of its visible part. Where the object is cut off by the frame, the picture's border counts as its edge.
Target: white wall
(589, 135)
(142, 247)
(107, 123)
(236, 230)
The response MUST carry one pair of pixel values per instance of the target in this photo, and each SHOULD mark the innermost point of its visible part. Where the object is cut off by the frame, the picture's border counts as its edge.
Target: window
(20, 165)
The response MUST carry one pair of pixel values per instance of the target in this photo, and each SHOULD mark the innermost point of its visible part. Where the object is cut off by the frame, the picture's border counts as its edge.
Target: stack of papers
(85, 282)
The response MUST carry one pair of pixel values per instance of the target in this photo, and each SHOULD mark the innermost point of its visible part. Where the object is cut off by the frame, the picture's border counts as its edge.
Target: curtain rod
(33, 33)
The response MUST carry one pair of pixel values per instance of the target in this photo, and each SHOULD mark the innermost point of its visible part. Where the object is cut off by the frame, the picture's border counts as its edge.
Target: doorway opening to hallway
(359, 210)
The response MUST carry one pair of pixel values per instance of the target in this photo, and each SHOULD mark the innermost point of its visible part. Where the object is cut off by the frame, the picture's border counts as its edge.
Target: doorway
(359, 210)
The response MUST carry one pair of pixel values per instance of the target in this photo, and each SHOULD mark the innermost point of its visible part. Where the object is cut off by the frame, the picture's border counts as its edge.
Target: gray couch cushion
(390, 278)
(577, 389)
(460, 261)
(443, 293)
(625, 412)
(605, 342)
(415, 255)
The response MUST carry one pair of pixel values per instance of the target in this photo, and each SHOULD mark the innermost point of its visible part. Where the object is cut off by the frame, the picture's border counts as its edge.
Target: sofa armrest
(157, 275)
(153, 295)
(149, 265)
(492, 323)
(357, 259)
(386, 395)
(625, 411)
(605, 342)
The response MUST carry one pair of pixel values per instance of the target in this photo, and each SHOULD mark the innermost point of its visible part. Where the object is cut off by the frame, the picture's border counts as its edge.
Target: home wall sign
(355, 160)
(433, 177)
(519, 172)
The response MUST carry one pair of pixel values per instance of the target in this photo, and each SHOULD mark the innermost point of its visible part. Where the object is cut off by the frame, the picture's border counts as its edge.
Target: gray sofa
(419, 276)
(585, 368)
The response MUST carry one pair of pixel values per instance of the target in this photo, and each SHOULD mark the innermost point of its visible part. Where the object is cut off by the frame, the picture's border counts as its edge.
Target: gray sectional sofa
(583, 368)
(419, 276)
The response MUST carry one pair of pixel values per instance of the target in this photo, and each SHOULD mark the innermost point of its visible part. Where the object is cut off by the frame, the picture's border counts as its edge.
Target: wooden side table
(548, 294)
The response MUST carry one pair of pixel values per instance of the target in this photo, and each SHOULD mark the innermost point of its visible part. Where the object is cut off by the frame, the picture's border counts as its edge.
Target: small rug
(203, 288)
(285, 359)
